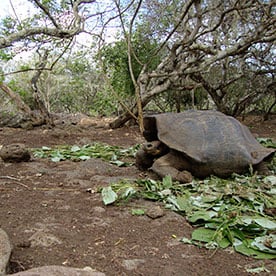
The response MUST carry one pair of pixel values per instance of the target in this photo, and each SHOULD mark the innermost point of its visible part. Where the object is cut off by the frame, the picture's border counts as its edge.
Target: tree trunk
(145, 99)
(36, 93)
(16, 99)
(25, 118)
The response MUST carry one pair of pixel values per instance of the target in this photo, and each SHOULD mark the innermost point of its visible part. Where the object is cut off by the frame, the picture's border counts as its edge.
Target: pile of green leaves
(267, 142)
(112, 154)
(237, 212)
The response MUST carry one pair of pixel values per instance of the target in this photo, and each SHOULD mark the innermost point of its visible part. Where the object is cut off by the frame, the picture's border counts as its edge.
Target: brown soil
(54, 216)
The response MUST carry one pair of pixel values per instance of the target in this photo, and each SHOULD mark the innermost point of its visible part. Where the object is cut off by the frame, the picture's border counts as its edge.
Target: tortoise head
(155, 148)
(148, 153)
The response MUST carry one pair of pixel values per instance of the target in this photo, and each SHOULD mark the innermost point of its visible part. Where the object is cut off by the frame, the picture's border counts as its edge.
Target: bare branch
(46, 11)
(57, 31)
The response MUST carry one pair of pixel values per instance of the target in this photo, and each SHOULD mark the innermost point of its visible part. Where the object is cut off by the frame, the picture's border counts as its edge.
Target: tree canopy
(128, 56)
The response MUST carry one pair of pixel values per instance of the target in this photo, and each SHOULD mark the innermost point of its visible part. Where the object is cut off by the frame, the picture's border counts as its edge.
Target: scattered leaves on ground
(113, 154)
(238, 211)
(226, 212)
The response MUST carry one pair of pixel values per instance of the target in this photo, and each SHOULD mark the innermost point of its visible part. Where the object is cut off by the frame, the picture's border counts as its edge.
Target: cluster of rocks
(23, 120)
(14, 153)
(53, 270)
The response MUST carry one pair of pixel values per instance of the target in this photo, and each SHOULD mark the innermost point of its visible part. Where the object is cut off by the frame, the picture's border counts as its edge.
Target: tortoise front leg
(173, 165)
(143, 160)
(262, 168)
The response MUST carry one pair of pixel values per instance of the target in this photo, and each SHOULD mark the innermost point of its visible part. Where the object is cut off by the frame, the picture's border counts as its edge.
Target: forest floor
(54, 215)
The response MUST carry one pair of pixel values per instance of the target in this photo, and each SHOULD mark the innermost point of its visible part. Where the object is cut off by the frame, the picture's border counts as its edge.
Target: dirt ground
(54, 216)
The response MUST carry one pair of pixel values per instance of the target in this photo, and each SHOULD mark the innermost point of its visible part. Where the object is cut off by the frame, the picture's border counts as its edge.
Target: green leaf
(181, 204)
(118, 163)
(186, 240)
(265, 243)
(202, 215)
(209, 236)
(137, 212)
(45, 148)
(108, 195)
(270, 180)
(266, 223)
(109, 153)
(84, 157)
(238, 234)
(127, 192)
(257, 270)
(57, 158)
(198, 201)
(203, 235)
(75, 149)
(167, 182)
(248, 251)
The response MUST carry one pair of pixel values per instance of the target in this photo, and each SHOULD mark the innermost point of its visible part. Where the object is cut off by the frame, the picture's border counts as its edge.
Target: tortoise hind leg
(173, 165)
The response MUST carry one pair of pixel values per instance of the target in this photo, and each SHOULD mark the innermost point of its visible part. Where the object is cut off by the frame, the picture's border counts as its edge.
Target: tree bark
(36, 93)
(25, 118)
(16, 99)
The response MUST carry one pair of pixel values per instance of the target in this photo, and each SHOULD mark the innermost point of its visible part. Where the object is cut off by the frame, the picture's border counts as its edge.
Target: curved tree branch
(57, 31)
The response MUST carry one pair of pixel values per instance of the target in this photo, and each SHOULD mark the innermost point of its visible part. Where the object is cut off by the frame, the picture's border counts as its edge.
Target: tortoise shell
(207, 137)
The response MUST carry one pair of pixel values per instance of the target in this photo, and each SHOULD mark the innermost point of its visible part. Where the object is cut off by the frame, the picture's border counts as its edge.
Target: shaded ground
(54, 216)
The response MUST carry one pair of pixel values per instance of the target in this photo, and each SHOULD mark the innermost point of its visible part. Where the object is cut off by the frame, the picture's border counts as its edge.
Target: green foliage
(2, 77)
(5, 56)
(138, 212)
(108, 195)
(113, 154)
(115, 61)
(76, 84)
(24, 92)
(227, 213)
(177, 101)
(267, 142)
(7, 26)
(236, 212)
(104, 103)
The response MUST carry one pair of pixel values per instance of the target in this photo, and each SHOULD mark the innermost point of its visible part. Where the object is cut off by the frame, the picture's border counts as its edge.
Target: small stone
(15, 153)
(132, 264)
(55, 270)
(98, 209)
(155, 212)
(43, 239)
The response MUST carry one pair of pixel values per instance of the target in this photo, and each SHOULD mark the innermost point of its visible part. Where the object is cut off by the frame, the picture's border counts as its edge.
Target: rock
(98, 209)
(5, 251)
(132, 264)
(55, 270)
(14, 153)
(87, 122)
(43, 239)
(155, 212)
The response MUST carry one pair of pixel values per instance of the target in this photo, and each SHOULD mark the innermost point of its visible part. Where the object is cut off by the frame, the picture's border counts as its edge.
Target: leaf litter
(114, 154)
(237, 212)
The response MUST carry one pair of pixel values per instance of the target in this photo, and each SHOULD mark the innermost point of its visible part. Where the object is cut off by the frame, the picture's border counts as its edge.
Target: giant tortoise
(200, 144)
